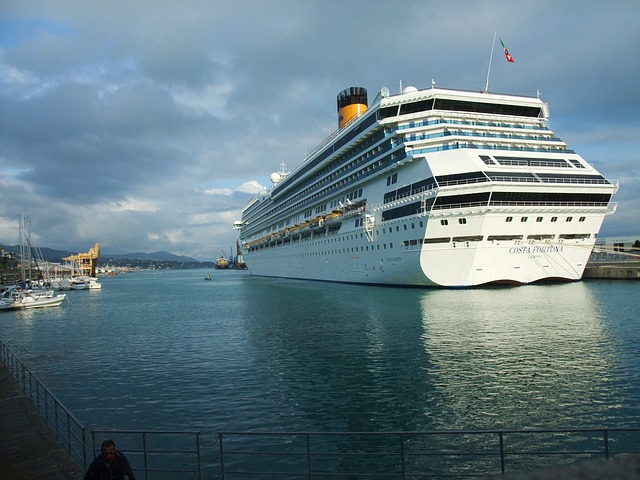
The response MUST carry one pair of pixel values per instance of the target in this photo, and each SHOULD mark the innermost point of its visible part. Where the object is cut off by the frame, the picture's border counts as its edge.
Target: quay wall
(611, 270)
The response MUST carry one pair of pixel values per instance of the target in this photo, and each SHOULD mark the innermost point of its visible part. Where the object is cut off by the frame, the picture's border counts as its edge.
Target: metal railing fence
(68, 430)
(413, 455)
(169, 454)
(156, 454)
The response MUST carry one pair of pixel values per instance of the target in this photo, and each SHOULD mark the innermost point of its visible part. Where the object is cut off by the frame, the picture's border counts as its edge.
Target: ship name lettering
(530, 250)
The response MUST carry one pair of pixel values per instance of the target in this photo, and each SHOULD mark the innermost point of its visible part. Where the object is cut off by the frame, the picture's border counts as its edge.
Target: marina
(245, 354)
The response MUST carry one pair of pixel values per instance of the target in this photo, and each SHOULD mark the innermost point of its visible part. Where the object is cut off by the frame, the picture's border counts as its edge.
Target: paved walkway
(28, 449)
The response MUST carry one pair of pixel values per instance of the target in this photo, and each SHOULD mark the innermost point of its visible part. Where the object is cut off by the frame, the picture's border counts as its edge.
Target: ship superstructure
(431, 187)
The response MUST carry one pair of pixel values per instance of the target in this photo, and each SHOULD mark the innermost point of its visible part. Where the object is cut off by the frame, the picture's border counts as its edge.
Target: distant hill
(56, 256)
(155, 256)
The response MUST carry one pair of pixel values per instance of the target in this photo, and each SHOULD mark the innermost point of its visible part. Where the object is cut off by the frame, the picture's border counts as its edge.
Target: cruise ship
(431, 187)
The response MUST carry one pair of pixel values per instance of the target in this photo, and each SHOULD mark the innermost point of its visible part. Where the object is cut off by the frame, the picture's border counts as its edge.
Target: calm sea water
(169, 350)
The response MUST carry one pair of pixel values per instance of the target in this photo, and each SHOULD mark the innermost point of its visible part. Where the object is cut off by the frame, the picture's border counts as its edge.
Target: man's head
(108, 450)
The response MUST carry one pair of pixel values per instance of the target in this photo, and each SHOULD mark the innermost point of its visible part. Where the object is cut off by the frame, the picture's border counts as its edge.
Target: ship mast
(486, 85)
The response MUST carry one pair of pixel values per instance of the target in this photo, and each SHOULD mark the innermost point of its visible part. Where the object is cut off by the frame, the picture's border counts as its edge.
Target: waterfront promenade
(28, 449)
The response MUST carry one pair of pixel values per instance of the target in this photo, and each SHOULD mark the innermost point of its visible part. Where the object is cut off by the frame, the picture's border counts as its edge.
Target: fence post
(144, 449)
(221, 457)
(402, 461)
(502, 462)
(309, 469)
(606, 443)
(199, 459)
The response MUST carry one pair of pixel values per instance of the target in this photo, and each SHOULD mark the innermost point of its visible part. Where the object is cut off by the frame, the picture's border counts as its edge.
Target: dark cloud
(145, 125)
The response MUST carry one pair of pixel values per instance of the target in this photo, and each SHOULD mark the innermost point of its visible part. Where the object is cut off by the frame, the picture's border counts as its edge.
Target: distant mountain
(56, 256)
(155, 256)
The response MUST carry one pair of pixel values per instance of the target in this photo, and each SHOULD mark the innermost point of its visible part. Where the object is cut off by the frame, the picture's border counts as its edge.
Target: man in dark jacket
(109, 465)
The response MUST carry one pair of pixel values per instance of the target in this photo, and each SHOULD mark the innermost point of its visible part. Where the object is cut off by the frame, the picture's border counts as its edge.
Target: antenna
(486, 85)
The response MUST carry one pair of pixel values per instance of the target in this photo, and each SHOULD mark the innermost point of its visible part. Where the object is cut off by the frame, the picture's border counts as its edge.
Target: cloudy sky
(147, 125)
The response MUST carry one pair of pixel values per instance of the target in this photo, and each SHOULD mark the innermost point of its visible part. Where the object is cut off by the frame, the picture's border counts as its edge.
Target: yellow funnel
(351, 103)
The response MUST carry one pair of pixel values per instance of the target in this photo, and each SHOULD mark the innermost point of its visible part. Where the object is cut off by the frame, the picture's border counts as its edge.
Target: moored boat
(28, 300)
(431, 187)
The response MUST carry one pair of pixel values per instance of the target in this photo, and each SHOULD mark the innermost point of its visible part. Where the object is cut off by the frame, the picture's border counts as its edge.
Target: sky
(148, 125)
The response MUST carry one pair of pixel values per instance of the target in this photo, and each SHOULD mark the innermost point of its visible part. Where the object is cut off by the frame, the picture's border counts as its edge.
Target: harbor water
(169, 350)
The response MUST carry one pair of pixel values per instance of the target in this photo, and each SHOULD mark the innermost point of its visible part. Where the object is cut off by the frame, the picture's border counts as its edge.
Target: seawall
(613, 270)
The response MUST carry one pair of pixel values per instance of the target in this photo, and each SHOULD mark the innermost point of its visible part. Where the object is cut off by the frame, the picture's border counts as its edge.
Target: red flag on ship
(506, 53)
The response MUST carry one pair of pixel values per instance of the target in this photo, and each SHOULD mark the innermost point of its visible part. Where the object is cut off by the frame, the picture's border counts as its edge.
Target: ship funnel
(351, 103)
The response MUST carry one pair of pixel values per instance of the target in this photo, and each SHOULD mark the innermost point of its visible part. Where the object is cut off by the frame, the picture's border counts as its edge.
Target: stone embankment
(613, 270)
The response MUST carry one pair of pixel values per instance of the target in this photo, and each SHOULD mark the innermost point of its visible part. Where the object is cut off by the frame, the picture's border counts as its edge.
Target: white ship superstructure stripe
(431, 187)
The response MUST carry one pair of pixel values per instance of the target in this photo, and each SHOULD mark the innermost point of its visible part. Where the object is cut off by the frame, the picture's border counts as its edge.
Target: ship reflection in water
(537, 357)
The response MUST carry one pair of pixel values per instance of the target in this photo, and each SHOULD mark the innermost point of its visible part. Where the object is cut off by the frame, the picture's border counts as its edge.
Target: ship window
(575, 236)
(387, 112)
(437, 240)
(473, 238)
(524, 219)
(504, 237)
(554, 219)
(462, 221)
(444, 222)
(509, 219)
(582, 219)
(405, 226)
(540, 237)
(481, 107)
(539, 219)
(569, 219)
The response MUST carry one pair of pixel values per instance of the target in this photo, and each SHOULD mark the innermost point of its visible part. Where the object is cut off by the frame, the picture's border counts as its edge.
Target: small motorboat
(207, 277)
(27, 300)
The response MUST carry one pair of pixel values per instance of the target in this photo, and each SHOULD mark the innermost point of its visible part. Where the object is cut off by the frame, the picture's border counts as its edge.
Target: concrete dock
(613, 270)
(28, 448)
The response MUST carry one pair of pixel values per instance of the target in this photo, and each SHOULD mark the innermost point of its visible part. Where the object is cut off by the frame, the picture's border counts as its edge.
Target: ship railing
(330, 138)
(578, 181)
(495, 203)
(414, 455)
(512, 148)
(504, 136)
(474, 123)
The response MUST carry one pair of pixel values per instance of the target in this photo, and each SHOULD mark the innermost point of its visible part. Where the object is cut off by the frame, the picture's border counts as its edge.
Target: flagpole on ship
(486, 85)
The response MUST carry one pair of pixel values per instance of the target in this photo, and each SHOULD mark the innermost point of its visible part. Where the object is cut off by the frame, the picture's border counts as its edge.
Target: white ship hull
(435, 198)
